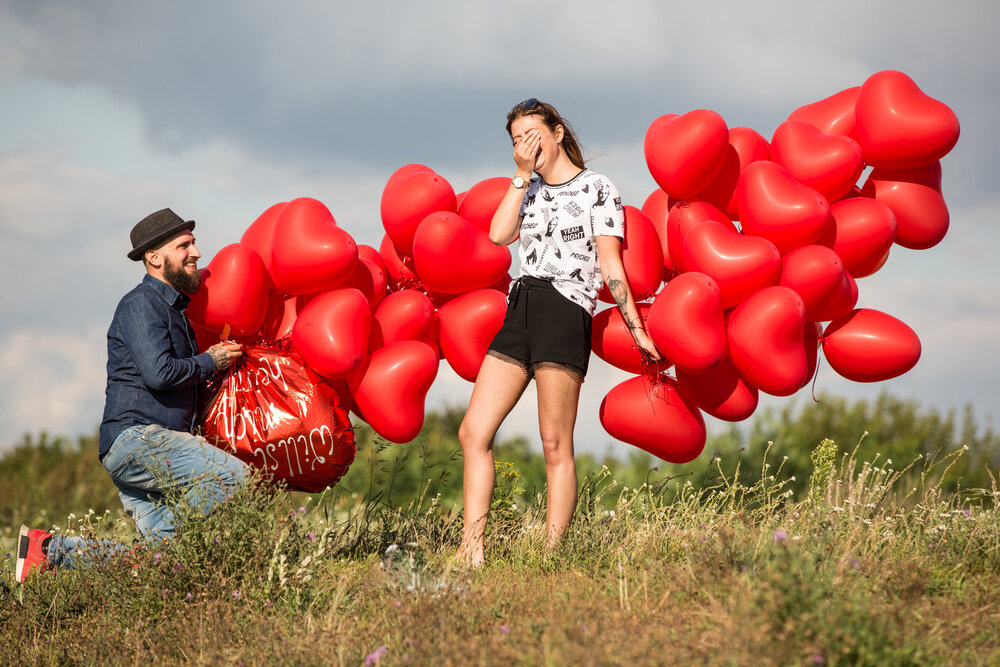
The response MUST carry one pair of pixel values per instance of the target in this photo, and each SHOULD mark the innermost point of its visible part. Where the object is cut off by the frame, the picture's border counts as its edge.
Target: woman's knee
(557, 448)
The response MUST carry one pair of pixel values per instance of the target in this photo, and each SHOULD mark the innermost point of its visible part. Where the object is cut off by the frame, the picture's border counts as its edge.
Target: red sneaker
(32, 547)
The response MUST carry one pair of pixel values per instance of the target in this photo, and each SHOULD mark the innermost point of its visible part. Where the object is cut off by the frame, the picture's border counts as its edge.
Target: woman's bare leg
(558, 399)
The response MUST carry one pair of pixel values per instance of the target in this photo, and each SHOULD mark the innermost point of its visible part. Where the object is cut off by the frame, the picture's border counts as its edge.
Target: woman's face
(548, 151)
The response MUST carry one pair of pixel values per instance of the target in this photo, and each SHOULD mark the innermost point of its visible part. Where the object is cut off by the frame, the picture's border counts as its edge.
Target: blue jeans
(149, 464)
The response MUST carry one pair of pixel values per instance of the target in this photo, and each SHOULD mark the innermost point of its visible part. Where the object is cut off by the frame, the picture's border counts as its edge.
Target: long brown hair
(552, 120)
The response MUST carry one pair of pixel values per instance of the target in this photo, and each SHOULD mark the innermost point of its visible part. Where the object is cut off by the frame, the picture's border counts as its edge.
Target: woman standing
(571, 224)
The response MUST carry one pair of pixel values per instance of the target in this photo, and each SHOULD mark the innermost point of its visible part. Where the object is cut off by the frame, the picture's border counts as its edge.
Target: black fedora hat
(154, 229)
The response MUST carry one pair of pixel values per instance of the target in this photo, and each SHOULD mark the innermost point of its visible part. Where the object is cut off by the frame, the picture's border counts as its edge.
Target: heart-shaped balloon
(773, 204)
(657, 209)
(260, 234)
(817, 275)
(722, 392)
(452, 256)
(765, 341)
(331, 332)
(642, 257)
(410, 196)
(390, 388)
(683, 216)
(830, 164)
(368, 279)
(235, 288)
(398, 267)
(282, 311)
(745, 146)
(914, 196)
(659, 419)
(862, 232)
(684, 153)
(309, 252)
(740, 265)
(481, 201)
(898, 125)
(686, 322)
(870, 346)
(612, 341)
(372, 255)
(468, 324)
(404, 315)
(831, 115)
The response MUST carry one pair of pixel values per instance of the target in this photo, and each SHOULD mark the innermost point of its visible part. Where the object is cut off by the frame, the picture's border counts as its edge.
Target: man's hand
(225, 353)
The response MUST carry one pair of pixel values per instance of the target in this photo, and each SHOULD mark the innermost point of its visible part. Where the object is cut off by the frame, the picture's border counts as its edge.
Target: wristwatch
(519, 182)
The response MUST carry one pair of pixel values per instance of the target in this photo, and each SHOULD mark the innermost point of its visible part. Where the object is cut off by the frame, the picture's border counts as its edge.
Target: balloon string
(819, 359)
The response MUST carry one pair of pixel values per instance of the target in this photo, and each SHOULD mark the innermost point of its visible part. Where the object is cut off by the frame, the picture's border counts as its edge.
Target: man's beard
(180, 279)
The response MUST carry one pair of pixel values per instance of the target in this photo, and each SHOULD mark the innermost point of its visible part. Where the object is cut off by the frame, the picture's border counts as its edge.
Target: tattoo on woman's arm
(619, 292)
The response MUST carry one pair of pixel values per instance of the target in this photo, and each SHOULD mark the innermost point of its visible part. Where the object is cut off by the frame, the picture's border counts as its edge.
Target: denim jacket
(153, 363)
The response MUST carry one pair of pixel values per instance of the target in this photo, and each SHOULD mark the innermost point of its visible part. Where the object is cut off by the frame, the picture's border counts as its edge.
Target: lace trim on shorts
(511, 360)
(571, 371)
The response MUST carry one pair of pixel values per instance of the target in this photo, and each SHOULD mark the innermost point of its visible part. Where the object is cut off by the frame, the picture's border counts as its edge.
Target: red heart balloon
(331, 332)
(368, 279)
(830, 164)
(684, 153)
(642, 257)
(721, 392)
(745, 146)
(260, 234)
(765, 341)
(612, 341)
(861, 234)
(740, 265)
(235, 288)
(831, 115)
(914, 196)
(659, 419)
(682, 217)
(390, 388)
(898, 125)
(372, 255)
(404, 315)
(409, 197)
(481, 201)
(452, 256)
(657, 209)
(687, 324)
(468, 324)
(282, 311)
(309, 252)
(398, 267)
(817, 275)
(773, 204)
(870, 346)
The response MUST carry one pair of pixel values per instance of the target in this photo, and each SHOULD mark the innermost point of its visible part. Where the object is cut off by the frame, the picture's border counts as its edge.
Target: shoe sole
(22, 552)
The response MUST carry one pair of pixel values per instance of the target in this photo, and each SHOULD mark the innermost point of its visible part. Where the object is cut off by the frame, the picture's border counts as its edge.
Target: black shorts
(543, 328)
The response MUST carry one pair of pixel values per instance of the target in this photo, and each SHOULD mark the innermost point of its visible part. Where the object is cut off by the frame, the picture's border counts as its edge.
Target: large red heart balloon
(398, 267)
(686, 322)
(261, 232)
(684, 153)
(309, 252)
(682, 217)
(773, 204)
(870, 346)
(898, 125)
(745, 146)
(368, 279)
(721, 392)
(657, 209)
(481, 201)
(612, 341)
(390, 388)
(408, 198)
(817, 275)
(235, 288)
(642, 257)
(331, 332)
(862, 232)
(831, 115)
(914, 195)
(766, 343)
(740, 265)
(659, 419)
(452, 256)
(372, 255)
(828, 163)
(404, 315)
(468, 324)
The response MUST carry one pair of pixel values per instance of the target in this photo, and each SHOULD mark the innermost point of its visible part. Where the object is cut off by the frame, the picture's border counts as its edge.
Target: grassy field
(864, 563)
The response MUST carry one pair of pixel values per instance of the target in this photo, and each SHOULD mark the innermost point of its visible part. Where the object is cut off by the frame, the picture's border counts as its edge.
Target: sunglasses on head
(526, 105)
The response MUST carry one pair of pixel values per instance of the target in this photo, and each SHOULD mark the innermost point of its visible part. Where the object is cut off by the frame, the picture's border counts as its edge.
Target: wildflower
(168, 461)
(236, 595)
(504, 629)
(189, 595)
(302, 510)
(311, 537)
(375, 656)
(156, 558)
(779, 537)
(967, 512)
(217, 541)
(854, 563)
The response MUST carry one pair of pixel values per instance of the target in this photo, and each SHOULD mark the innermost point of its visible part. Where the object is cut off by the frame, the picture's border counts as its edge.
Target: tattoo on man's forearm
(218, 356)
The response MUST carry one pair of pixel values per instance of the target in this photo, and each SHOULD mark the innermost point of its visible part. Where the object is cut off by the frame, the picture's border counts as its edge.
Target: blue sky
(111, 110)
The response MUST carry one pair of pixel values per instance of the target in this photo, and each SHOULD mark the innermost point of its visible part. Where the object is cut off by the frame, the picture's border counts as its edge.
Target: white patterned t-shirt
(558, 226)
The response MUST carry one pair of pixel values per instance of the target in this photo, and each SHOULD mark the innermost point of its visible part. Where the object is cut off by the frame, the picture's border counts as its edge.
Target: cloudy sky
(111, 110)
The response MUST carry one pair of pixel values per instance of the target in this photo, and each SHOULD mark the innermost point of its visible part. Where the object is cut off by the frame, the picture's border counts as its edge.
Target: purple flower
(156, 558)
(236, 594)
(968, 512)
(217, 541)
(504, 629)
(779, 537)
(302, 510)
(189, 596)
(818, 659)
(397, 603)
(375, 656)
(854, 563)
(311, 537)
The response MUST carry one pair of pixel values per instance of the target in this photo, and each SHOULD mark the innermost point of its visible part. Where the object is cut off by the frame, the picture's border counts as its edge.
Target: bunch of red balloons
(744, 306)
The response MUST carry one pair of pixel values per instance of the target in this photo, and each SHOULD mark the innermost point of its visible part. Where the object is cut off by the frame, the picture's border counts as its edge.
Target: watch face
(518, 182)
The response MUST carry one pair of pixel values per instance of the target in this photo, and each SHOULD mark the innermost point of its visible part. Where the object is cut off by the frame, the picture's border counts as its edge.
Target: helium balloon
(390, 388)
(914, 196)
(642, 257)
(404, 315)
(234, 290)
(398, 267)
(740, 265)
(870, 346)
(686, 323)
(331, 332)
(832, 115)
(410, 197)
(659, 419)
(282, 310)
(830, 164)
(372, 255)
(684, 153)
(817, 275)
(369, 279)
(657, 209)
(721, 392)
(611, 339)
(745, 146)
(452, 256)
(766, 343)
(468, 324)
(309, 252)
(260, 234)
(482, 200)
(775, 205)
(681, 219)
(862, 232)
(898, 125)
